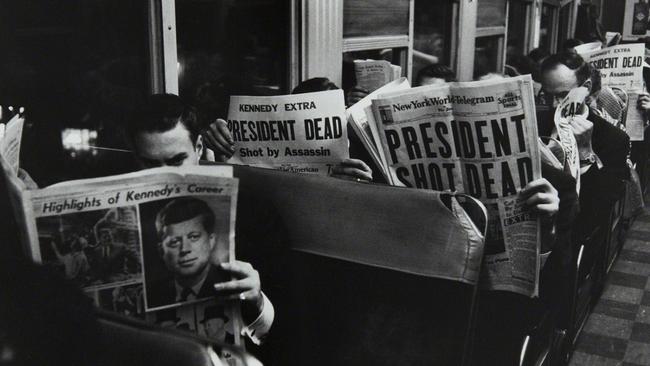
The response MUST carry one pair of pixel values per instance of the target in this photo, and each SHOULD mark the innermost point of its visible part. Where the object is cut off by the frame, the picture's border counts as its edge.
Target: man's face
(558, 82)
(169, 148)
(105, 237)
(215, 328)
(186, 247)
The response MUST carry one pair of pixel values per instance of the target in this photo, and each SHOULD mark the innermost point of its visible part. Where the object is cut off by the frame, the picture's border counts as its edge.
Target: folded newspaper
(367, 132)
(304, 133)
(373, 74)
(478, 138)
(145, 241)
(10, 138)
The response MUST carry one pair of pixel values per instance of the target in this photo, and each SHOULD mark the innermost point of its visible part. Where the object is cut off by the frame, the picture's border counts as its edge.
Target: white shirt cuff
(259, 328)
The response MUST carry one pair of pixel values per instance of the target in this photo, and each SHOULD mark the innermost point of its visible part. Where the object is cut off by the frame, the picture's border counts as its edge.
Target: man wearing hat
(215, 324)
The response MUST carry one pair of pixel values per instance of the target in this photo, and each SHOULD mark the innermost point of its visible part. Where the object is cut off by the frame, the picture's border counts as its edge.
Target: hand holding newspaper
(150, 241)
(298, 133)
(478, 138)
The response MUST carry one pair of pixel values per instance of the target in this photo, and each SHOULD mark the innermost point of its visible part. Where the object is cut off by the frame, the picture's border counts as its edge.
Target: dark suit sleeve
(565, 185)
(600, 188)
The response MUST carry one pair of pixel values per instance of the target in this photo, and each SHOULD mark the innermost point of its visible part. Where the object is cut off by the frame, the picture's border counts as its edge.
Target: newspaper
(588, 47)
(358, 120)
(479, 138)
(622, 67)
(572, 105)
(300, 133)
(137, 242)
(10, 140)
(373, 74)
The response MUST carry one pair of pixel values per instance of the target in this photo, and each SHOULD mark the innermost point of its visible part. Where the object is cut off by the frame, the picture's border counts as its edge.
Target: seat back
(372, 274)
(128, 341)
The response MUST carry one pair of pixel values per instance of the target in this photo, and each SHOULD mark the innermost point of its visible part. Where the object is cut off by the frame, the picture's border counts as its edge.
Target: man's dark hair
(314, 85)
(161, 113)
(575, 62)
(183, 209)
(570, 43)
(437, 71)
(538, 54)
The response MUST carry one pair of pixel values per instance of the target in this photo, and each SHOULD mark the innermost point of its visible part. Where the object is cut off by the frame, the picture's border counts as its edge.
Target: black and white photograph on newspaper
(184, 241)
(126, 300)
(96, 249)
(210, 319)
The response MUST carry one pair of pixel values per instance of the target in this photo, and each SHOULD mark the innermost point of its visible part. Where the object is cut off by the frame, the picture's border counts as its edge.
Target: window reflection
(231, 47)
(396, 56)
(491, 13)
(375, 17)
(486, 56)
(72, 64)
(432, 33)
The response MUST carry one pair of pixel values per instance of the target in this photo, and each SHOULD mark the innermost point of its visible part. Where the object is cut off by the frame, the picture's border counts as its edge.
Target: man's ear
(213, 241)
(198, 147)
(587, 84)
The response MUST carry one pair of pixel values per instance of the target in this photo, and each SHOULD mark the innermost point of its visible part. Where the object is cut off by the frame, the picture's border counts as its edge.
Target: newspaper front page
(479, 138)
(304, 133)
(10, 141)
(138, 243)
(622, 67)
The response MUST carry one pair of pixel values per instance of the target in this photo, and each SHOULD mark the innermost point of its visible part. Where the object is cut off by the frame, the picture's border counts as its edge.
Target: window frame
(164, 51)
(316, 42)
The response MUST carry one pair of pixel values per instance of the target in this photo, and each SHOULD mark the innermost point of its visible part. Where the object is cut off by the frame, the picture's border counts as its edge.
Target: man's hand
(352, 169)
(355, 95)
(217, 138)
(246, 285)
(643, 103)
(541, 197)
(27, 180)
(582, 130)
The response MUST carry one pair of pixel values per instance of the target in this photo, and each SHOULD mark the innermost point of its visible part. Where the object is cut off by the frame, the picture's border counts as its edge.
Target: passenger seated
(164, 132)
(435, 74)
(45, 320)
(602, 147)
(218, 138)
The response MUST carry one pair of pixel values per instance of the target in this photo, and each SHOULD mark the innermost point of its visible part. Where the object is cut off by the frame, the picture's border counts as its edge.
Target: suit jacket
(162, 293)
(600, 188)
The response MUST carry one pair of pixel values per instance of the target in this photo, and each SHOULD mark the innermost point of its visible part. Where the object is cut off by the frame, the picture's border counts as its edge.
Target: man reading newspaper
(480, 139)
(165, 132)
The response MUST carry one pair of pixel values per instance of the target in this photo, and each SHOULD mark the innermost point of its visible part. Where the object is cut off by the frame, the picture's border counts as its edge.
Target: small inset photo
(96, 249)
(184, 239)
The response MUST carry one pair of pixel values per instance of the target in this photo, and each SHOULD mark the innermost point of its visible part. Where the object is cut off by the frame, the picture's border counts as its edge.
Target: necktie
(186, 293)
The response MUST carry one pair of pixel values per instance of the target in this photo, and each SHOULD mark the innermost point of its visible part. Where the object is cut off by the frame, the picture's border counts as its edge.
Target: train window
(564, 24)
(219, 57)
(375, 17)
(545, 30)
(432, 33)
(491, 13)
(517, 20)
(75, 66)
(487, 55)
